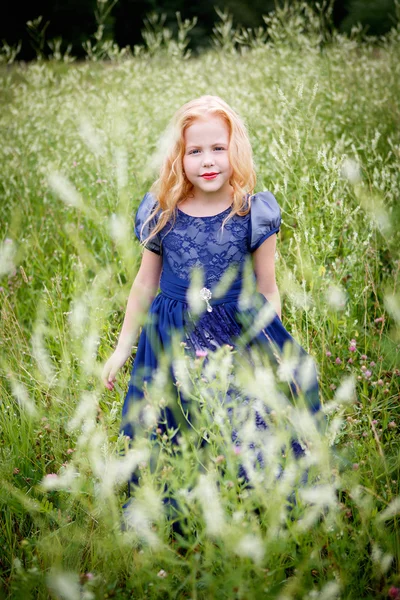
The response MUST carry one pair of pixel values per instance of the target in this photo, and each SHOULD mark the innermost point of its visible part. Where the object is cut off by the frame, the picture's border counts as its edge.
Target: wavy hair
(172, 186)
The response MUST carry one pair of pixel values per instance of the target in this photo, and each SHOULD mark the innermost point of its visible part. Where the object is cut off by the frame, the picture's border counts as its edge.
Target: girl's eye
(220, 148)
(193, 151)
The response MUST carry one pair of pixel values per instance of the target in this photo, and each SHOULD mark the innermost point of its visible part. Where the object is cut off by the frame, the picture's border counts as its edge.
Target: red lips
(210, 175)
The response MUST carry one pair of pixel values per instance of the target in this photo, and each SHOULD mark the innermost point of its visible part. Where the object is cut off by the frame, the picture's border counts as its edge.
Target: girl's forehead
(206, 129)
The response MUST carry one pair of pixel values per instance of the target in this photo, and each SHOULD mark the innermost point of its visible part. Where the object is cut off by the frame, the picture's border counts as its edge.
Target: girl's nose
(208, 160)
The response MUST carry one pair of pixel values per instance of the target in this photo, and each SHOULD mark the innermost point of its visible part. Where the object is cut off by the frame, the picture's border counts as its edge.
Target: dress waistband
(177, 289)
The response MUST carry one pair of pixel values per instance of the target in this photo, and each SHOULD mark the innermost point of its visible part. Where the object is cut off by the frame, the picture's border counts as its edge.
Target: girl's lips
(210, 176)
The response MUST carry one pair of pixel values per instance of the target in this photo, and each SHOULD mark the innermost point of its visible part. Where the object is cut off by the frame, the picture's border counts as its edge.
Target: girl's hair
(172, 186)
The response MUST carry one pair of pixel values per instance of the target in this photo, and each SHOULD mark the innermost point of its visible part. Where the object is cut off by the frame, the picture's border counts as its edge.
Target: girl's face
(206, 160)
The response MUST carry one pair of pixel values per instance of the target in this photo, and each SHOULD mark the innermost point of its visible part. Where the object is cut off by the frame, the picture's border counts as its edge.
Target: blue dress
(188, 242)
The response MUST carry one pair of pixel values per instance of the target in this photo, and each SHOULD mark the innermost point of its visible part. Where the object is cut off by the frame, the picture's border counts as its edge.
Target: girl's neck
(200, 205)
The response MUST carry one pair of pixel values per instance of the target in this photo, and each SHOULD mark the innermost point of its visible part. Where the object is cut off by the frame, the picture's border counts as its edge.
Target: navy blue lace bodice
(201, 242)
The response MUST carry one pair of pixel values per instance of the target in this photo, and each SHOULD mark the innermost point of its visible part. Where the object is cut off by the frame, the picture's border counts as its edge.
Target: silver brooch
(205, 294)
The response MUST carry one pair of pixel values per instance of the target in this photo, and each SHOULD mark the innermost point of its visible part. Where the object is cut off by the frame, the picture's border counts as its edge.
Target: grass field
(80, 143)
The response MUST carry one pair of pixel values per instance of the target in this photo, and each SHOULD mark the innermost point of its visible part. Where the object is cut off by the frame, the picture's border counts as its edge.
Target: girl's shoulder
(147, 204)
(264, 203)
(265, 218)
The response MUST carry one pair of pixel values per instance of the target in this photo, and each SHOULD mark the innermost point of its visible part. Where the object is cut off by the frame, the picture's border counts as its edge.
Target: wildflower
(220, 459)
(350, 361)
(237, 449)
(392, 425)
(158, 430)
(363, 368)
(394, 593)
(332, 386)
(338, 361)
(328, 353)
(89, 576)
(364, 434)
(161, 573)
(74, 164)
(379, 320)
(355, 466)
(372, 363)
(51, 476)
(352, 348)
(367, 374)
(363, 357)
(374, 422)
(16, 471)
(70, 450)
(380, 382)
(201, 353)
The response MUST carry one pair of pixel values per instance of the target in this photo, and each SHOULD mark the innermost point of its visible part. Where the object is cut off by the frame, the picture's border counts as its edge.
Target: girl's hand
(112, 366)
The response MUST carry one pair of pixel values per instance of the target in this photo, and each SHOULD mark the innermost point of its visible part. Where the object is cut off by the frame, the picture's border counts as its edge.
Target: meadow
(80, 145)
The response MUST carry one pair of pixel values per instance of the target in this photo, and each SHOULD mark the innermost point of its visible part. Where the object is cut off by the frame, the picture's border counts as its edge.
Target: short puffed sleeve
(146, 207)
(265, 218)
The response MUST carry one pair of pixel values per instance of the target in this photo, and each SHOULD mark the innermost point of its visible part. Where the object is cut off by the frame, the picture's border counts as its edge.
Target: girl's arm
(143, 290)
(264, 268)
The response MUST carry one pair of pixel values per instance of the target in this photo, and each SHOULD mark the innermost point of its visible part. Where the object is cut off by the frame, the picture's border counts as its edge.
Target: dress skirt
(227, 323)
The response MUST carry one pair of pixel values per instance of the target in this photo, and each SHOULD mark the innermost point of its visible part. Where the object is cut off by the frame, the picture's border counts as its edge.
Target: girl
(201, 212)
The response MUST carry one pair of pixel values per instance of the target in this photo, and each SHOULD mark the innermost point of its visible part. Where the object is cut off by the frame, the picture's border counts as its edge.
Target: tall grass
(79, 144)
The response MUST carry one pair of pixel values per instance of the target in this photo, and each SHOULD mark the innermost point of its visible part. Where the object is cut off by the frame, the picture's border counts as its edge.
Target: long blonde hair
(172, 186)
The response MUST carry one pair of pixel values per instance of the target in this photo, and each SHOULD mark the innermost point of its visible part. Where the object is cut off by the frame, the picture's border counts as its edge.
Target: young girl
(201, 212)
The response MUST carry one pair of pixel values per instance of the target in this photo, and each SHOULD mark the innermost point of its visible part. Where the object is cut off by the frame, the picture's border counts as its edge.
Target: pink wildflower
(352, 348)
(237, 449)
(363, 357)
(338, 361)
(70, 450)
(392, 425)
(350, 361)
(380, 382)
(379, 320)
(356, 466)
(367, 374)
(363, 368)
(201, 353)
(51, 475)
(374, 422)
(332, 386)
(394, 593)
(372, 363)
(328, 353)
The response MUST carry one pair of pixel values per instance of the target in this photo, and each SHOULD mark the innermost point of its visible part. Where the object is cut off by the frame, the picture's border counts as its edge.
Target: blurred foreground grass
(79, 143)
